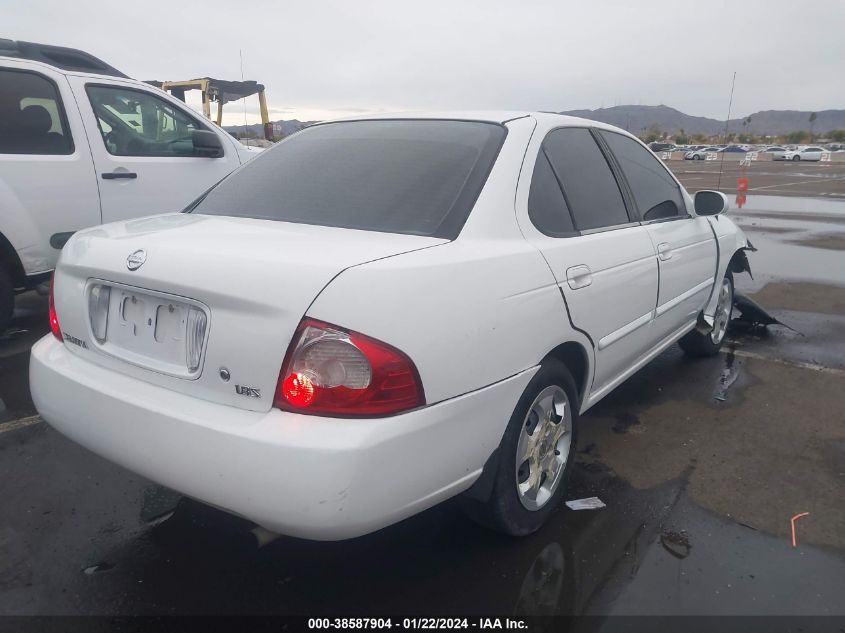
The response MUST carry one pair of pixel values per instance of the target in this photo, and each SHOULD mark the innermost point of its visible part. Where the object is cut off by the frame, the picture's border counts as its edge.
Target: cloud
(326, 58)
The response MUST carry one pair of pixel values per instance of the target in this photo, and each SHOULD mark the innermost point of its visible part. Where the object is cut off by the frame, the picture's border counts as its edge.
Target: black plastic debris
(753, 314)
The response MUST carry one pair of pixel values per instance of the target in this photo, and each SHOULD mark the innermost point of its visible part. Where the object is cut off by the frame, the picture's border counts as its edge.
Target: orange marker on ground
(797, 516)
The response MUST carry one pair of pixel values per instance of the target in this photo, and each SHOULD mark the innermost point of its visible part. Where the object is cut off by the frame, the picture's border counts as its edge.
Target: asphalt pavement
(701, 464)
(773, 178)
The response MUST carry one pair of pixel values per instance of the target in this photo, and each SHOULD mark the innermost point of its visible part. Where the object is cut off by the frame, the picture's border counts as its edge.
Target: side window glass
(137, 123)
(589, 186)
(655, 191)
(32, 120)
(546, 204)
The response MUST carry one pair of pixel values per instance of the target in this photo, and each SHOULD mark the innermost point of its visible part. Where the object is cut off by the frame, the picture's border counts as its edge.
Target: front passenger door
(143, 150)
(685, 245)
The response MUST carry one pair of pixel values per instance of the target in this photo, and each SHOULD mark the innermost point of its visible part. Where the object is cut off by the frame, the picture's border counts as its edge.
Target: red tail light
(54, 320)
(332, 371)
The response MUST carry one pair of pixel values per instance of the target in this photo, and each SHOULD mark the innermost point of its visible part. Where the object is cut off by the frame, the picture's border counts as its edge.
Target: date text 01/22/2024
(416, 623)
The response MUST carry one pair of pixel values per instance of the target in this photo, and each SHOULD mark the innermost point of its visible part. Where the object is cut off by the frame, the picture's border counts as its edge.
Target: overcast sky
(322, 59)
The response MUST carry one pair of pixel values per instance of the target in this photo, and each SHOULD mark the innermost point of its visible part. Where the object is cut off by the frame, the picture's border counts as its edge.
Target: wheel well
(10, 261)
(574, 356)
(739, 262)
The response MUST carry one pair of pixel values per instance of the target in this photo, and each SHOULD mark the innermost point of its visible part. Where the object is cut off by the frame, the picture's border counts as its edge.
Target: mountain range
(281, 128)
(637, 119)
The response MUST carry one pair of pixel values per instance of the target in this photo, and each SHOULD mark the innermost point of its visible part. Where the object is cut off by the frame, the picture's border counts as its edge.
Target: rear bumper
(305, 476)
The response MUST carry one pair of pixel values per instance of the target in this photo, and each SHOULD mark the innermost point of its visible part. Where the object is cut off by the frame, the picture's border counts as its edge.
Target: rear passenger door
(685, 245)
(47, 183)
(603, 261)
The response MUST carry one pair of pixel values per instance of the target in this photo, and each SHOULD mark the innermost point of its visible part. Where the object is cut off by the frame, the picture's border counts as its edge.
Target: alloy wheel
(543, 449)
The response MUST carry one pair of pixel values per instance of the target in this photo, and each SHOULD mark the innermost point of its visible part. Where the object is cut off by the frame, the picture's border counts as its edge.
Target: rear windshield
(419, 177)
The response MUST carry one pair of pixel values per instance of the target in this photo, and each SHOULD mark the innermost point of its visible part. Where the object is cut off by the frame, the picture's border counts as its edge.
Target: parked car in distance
(700, 153)
(82, 144)
(732, 149)
(771, 149)
(805, 153)
(661, 147)
(378, 314)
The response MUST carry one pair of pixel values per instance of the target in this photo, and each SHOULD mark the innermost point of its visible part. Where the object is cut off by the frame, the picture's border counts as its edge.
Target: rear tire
(696, 157)
(522, 500)
(697, 344)
(7, 299)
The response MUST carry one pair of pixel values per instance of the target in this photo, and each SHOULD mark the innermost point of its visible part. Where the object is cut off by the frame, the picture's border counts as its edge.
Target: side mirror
(710, 202)
(207, 143)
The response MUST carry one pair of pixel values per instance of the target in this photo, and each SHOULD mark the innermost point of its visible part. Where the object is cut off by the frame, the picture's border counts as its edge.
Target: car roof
(546, 119)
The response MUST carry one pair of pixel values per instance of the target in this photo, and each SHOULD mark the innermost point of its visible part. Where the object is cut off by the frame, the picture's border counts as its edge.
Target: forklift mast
(221, 92)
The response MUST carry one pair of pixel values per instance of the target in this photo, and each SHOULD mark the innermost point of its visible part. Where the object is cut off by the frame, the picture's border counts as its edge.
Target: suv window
(546, 204)
(589, 186)
(137, 123)
(419, 177)
(655, 191)
(32, 120)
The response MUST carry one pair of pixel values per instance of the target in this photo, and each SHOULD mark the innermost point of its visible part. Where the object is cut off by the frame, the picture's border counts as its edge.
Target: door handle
(114, 175)
(664, 251)
(579, 276)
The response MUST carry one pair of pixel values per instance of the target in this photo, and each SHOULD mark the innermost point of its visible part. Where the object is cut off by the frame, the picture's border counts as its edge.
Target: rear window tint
(546, 204)
(32, 120)
(419, 177)
(591, 191)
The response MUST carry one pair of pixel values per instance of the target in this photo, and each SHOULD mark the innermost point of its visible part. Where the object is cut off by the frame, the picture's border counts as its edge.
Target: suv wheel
(535, 456)
(697, 344)
(7, 299)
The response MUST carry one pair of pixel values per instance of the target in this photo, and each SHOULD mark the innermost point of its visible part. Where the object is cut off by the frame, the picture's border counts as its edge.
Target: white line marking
(14, 425)
(783, 184)
(800, 182)
(791, 363)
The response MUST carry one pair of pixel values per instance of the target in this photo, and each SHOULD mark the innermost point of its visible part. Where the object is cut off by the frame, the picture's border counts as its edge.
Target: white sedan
(377, 315)
(700, 153)
(805, 153)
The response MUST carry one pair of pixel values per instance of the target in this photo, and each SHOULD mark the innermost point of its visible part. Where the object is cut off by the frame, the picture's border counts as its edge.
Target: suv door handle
(664, 251)
(112, 175)
(579, 276)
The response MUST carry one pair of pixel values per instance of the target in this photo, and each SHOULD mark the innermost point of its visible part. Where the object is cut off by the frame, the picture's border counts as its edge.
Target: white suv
(82, 144)
(376, 315)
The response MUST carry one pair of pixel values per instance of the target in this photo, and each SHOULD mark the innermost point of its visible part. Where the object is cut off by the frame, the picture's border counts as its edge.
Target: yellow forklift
(221, 92)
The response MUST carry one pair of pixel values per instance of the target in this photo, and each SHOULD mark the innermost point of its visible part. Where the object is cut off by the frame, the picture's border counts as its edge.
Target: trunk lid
(250, 280)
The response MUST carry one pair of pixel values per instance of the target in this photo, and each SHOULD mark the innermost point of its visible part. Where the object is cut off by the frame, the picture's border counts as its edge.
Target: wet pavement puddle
(728, 376)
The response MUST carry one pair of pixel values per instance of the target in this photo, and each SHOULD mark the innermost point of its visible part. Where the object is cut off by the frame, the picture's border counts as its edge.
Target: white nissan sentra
(379, 314)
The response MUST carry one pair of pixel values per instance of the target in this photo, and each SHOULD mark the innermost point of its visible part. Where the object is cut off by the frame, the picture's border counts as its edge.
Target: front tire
(7, 299)
(535, 456)
(696, 343)
(794, 158)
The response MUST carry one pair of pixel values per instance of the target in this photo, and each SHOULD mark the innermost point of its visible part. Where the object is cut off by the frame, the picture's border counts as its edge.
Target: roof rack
(58, 56)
